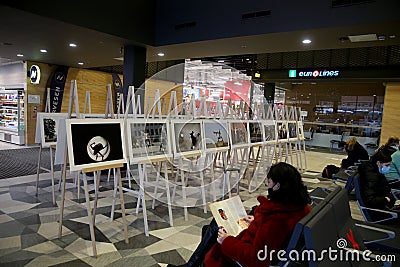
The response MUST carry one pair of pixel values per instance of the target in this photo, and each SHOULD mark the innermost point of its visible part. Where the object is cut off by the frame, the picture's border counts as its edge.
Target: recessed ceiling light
(161, 54)
(72, 45)
(221, 61)
(43, 50)
(306, 41)
(80, 63)
(20, 55)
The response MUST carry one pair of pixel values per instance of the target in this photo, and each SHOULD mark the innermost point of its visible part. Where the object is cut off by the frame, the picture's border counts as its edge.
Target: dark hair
(292, 190)
(381, 156)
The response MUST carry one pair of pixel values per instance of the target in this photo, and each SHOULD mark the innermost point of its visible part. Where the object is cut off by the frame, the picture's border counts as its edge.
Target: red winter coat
(272, 227)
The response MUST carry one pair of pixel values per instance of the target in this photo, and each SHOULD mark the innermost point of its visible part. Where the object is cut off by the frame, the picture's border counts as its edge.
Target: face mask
(270, 192)
(395, 147)
(384, 169)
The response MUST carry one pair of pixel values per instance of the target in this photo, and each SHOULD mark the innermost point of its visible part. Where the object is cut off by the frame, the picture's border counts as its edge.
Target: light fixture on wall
(306, 41)
(161, 54)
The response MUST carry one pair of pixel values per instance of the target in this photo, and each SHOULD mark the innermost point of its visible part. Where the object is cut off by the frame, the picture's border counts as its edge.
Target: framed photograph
(49, 127)
(215, 134)
(95, 142)
(255, 132)
(187, 136)
(281, 127)
(300, 129)
(239, 134)
(148, 139)
(292, 130)
(270, 133)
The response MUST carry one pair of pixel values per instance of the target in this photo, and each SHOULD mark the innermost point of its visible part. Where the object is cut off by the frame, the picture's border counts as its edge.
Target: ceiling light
(20, 55)
(381, 37)
(43, 50)
(306, 41)
(80, 63)
(72, 45)
(161, 54)
(363, 38)
(392, 36)
(221, 61)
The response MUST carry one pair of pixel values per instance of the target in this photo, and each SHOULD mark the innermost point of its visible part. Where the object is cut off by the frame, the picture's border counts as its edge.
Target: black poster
(96, 143)
(57, 84)
(117, 85)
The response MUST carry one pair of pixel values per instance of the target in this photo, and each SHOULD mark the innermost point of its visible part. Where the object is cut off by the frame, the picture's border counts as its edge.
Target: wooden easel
(46, 109)
(91, 212)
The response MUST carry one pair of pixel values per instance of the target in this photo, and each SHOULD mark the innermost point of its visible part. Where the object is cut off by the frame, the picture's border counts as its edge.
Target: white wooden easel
(91, 212)
(46, 109)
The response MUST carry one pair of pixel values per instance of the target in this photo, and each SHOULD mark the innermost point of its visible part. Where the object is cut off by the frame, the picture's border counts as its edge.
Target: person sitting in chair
(374, 188)
(272, 224)
(355, 152)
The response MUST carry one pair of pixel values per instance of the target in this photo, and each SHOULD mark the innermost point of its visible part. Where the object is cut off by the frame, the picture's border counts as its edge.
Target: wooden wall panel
(391, 112)
(87, 80)
(165, 88)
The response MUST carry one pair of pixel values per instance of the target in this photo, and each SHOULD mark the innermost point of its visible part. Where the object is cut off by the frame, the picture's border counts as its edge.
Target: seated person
(355, 152)
(374, 188)
(393, 173)
(272, 224)
(391, 145)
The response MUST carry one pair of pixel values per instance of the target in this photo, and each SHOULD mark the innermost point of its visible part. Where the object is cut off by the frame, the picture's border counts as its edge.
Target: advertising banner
(57, 84)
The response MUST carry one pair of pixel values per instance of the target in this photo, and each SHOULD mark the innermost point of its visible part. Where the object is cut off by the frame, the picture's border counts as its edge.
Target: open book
(230, 214)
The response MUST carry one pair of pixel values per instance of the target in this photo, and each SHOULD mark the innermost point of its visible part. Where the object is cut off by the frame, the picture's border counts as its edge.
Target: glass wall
(334, 108)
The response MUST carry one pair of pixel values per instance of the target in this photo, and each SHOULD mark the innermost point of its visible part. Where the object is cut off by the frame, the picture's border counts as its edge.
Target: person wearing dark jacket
(271, 226)
(355, 152)
(375, 190)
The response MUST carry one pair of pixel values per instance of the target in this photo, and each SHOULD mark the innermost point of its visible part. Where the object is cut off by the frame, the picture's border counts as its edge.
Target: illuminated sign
(34, 74)
(314, 73)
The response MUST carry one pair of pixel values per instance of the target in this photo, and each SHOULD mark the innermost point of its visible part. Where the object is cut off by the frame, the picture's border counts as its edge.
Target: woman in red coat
(270, 228)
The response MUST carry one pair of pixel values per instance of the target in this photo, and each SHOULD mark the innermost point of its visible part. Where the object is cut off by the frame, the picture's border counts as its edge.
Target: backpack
(329, 171)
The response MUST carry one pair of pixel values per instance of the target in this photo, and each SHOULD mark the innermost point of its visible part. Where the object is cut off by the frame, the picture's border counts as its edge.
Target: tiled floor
(29, 224)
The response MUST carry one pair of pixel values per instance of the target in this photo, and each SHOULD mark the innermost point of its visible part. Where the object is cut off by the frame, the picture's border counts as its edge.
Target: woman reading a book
(270, 227)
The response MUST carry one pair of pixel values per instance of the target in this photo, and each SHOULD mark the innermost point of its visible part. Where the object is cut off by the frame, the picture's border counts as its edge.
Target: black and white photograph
(215, 134)
(269, 131)
(239, 133)
(300, 129)
(187, 136)
(95, 143)
(49, 124)
(255, 132)
(147, 139)
(292, 129)
(282, 130)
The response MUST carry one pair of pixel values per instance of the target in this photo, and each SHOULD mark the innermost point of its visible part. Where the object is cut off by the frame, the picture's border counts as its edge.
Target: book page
(229, 213)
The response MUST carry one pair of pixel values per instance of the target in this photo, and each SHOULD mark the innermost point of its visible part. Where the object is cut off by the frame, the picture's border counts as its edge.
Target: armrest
(390, 234)
(393, 214)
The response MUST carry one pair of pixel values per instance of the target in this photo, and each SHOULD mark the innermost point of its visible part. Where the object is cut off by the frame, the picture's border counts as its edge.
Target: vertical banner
(117, 86)
(57, 84)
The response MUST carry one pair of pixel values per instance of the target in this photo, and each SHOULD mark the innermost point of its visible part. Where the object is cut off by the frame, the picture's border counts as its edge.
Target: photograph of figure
(215, 134)
(269, 131)
(255, 132)
(148, 139)
(239, 133)
(187, 136)
(292, 129)
(50, 130)
(282, 130)
(94, 143)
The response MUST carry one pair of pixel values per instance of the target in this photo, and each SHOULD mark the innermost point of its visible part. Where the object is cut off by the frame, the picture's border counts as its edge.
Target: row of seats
(330, 225)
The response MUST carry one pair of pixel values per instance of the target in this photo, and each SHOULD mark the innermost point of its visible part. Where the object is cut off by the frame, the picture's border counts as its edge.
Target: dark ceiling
(101, 31)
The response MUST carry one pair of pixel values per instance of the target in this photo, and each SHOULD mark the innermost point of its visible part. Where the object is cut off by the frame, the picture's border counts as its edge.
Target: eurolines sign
(314, 73)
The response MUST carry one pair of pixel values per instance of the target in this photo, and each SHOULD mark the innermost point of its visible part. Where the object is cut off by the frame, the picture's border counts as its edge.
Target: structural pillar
(134, 71)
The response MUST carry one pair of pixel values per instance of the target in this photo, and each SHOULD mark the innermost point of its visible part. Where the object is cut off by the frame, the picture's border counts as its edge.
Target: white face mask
(395, 147)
